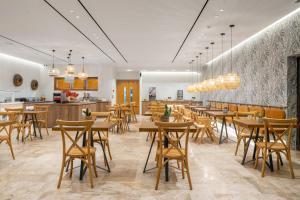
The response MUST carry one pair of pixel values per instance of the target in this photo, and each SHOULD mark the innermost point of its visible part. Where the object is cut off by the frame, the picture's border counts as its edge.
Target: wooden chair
(73, 150)
(43, 117)
(174, 151)
(243, 133)
(98, 137)
(204, 126)
(7, 128)
(276, 113)
(279, 145)
(243, 108)
(132, 111)
(20, 125)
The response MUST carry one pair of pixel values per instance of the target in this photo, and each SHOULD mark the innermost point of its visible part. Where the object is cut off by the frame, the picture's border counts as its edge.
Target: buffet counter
(145, 103)
(65, 111)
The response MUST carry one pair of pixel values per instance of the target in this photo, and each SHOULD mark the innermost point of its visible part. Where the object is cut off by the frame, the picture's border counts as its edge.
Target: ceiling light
(129, 70)
(77, 17)
(71, 11)
(221, 10)
(82, 75)
(53, 71)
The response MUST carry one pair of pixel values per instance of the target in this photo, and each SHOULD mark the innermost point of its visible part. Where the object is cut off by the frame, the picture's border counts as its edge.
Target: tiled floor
(216, 173)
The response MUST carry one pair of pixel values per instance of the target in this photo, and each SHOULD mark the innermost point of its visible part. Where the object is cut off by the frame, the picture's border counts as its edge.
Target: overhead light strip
(102, 30)
(6, 56)
(32, 48)
(254, 35)
(190, 30)
(79, 31)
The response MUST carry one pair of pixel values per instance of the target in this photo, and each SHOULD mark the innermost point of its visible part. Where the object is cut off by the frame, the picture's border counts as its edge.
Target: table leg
(270, 155)
(81, 162)
(255, 141)
(104, 154)
(33, 124)
(234, 126)
(224, 119)
(221, 134)
(247, 146)
(153, 140)
(166, 142)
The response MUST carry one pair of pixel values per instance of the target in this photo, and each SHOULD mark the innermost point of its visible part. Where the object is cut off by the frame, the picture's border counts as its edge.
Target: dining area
(172, 99)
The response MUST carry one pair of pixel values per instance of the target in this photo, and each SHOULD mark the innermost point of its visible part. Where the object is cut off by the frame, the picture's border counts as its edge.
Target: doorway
(298, 104)
(128, 91)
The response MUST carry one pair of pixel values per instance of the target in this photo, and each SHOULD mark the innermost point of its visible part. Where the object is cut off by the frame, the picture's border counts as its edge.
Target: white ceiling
(147, 33)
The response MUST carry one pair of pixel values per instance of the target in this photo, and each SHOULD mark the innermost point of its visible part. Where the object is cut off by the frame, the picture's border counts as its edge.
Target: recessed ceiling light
(129, 70)
(77, 17)
(216, 16)
(71, 11)
(221, 10)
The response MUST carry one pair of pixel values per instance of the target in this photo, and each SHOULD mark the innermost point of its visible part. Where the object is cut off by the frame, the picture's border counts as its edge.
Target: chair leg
(188, 173)
(71, 169)
(182, 169)
(61, 172)
(158, 172)
(288, 156)
(11, 149)
(90, 170)
(46, 126)
(277, 158)
(264, 162)
(237, 145)
(108, 149)
(94, 165)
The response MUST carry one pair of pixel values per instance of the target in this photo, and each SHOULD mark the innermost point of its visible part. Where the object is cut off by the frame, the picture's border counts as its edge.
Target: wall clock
(18, 80)
(34, 84)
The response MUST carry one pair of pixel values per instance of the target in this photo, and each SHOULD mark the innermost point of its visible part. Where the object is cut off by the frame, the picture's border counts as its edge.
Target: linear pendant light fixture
(220, 82)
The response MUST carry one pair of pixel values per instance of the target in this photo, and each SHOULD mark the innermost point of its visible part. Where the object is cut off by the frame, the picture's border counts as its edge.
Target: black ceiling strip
(79, 31)
(190, 30)
(25, 45)
(101, 29)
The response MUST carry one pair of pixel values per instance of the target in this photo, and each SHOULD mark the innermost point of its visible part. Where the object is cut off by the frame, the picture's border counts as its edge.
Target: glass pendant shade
(70, 69)
(82, 75)
(69, 78)
(53, 72)
(220, 82)
(232, 81)
(211, 85)
(199, 87)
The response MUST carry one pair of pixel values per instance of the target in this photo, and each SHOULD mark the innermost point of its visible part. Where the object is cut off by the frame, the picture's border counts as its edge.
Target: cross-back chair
(173, 151)
(280, 145)
(43, 117)
(73, 150)
(6, 132)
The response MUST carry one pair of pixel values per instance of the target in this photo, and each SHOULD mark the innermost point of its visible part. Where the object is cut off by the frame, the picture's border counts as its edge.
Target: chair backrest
(243, 108)
(218, 105)
(17, 114)
(206, 121)
(156, 116)
(224, 105)
(182, 130)
(281, 128)
(275, 113)
(68, 128)
(260, 110)
(42, 108)
(249, 114)
(105, 115)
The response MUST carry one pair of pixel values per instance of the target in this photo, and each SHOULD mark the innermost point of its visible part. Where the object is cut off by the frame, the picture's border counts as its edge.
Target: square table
(151, 127)
(201, 110)
(222, 115)
(96, 127)
(33, 114)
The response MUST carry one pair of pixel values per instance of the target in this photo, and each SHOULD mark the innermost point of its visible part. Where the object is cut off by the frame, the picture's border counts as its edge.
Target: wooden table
(201, 110)
(151, 127)
(222, 115)
(33, 114)
(97, 127)
(148, 113)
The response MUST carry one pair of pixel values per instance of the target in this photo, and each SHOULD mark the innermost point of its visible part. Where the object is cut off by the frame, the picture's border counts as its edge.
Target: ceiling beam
(190, 30)
(79, 31)
(88, 12)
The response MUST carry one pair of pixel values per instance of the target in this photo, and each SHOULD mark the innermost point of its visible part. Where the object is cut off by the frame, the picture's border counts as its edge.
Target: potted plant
(87, 113)
(167, 114)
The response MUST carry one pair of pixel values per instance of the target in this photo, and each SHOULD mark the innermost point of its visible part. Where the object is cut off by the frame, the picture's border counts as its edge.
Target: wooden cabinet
(101, 106)
(90, 84)
(78, 84)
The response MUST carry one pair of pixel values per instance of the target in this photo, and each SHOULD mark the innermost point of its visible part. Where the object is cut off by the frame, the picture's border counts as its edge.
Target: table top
(97, 126)
(151, 127)
(206, 109)
(255, 123)
(148, 113)
(220, 113)
(34, 111)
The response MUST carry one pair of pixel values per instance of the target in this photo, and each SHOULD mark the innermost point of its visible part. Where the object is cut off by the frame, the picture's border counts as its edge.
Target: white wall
(167, 84)
(9, 66)
(128, 75)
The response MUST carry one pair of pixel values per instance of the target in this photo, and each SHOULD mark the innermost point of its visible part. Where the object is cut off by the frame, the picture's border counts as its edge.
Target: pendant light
(70, 69)
(205, 82)
(53, 71)
(232, 80)
(189, 89)
(193, 84)
(212, 82)
(199, 86)
(220, 81)
(82, 75)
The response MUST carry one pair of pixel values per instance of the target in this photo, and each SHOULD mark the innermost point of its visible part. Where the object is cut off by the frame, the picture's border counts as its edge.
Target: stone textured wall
(262, 64)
